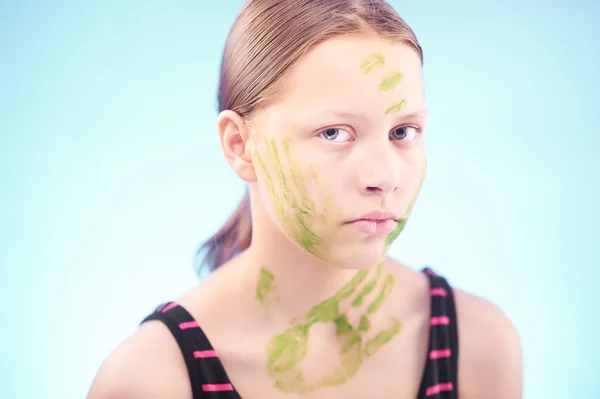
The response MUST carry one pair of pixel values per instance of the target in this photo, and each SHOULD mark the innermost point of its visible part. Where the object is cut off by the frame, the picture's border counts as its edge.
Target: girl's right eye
(336, 135)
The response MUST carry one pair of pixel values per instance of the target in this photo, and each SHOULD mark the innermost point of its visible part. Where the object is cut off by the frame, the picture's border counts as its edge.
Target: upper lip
(377, 215)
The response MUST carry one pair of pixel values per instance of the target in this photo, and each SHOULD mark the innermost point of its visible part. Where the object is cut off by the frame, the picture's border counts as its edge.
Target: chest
(326, 368)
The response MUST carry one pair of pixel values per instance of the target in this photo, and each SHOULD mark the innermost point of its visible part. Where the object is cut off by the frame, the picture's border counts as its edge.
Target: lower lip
(368, 226)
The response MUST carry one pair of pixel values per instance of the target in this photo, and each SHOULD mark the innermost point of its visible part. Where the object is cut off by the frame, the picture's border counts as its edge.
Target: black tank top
(209, 379)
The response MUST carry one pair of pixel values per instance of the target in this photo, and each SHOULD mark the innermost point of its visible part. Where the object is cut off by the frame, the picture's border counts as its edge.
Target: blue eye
(405, 133)
(335, 134)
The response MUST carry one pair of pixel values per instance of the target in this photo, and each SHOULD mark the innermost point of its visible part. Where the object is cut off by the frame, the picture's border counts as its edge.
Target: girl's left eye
(404, 133)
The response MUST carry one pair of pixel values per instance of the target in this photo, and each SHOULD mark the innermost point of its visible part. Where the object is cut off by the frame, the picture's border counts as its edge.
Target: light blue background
(111, 175)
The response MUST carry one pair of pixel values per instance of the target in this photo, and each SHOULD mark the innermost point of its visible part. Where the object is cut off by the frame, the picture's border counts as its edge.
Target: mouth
(377, 217)
(375, 223)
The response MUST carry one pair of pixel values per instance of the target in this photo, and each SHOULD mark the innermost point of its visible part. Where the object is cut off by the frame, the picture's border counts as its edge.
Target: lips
(377, 216)
(374, 226)
(376, 222)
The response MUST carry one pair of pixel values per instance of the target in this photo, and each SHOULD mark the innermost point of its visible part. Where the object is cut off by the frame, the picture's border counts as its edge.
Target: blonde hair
(266, 40)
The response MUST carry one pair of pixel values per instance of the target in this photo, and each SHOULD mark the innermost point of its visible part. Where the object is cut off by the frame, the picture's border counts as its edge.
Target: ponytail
(230, 240)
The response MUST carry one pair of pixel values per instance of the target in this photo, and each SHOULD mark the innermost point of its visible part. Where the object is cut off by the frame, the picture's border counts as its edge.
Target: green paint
(266, 284)
(364, 324)
(396, 107)
(373, 61)
(293, 206)
(279, 172)
(351, 286)
(286, 351)
(277, 202)
(389, 240)
(386, 290)
(298, 181)
(390, 81)
(368, 288)
(383, 337)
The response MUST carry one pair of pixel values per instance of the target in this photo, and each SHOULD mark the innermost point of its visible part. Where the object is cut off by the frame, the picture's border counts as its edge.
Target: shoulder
(147, 365)
(490, 358)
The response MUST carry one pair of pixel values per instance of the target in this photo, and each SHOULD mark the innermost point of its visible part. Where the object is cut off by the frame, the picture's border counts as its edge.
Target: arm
(148, 365)
(490, 357)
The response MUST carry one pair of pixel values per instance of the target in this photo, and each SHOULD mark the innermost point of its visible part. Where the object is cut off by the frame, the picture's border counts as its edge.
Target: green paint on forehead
(390, 81)
(396, 107)
(372, 62)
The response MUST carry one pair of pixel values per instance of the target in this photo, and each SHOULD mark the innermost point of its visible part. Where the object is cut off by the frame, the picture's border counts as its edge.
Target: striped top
(210, 381)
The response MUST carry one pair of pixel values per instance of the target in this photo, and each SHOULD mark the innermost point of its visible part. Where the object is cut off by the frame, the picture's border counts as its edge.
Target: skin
(402, 224)
(265, 285)
(372, 62)
(305, 190)
(396, 107)
(286, 351)
(293, 205)
(295, 209)
(388, 82)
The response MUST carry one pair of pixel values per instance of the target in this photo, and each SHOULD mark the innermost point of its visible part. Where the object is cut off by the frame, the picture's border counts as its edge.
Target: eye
(404, 133)
(335, 134)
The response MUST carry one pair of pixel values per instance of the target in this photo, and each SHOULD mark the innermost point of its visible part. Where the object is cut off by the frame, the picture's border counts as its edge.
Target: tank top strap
(205, 370)
(440, 378)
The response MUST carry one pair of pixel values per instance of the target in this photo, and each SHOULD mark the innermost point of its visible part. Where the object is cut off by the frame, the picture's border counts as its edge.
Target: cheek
(295, 193)
(416, 180)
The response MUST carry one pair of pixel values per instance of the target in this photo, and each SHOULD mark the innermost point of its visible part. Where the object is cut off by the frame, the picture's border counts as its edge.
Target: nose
(382, 187)
(380, 175)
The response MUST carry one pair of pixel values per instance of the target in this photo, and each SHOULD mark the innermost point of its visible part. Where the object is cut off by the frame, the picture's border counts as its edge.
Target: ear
(236, 144)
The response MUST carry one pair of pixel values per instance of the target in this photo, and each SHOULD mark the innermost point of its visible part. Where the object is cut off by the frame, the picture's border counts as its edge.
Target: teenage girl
(322, 113)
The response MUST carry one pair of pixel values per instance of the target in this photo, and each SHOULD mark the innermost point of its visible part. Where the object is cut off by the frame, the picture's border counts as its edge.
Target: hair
(266, 40)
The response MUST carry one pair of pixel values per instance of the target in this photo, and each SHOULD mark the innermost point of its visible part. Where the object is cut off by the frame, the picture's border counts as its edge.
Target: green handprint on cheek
(287, 351)
(293, 206)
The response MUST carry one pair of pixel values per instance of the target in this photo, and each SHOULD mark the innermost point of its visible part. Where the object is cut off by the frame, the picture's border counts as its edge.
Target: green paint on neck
(265, 285)
(368, 288)
(372, 62)
(390, 81)
(287, 351)
(384, 292)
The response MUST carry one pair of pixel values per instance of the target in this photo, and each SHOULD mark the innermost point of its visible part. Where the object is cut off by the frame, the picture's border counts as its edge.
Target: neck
(282, 277)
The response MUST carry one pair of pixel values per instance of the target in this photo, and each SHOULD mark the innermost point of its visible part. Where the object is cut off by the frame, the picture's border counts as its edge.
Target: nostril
(373, 189)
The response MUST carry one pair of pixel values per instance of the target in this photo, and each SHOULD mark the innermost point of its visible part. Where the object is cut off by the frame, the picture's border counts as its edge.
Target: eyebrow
(420, 113)
(343, 114)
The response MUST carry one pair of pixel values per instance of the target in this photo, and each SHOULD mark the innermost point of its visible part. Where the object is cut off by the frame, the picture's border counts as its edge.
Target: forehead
(357, 71)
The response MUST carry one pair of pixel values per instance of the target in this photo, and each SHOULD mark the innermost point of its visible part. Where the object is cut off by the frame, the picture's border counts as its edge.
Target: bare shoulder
(149, 364)
(146, 365)
(490, 359)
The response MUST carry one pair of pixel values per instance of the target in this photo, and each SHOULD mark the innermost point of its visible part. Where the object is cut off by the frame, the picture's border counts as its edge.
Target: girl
(322, 113)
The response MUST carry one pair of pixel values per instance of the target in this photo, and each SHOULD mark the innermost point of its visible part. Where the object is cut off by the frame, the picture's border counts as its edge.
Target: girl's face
(339, 154)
